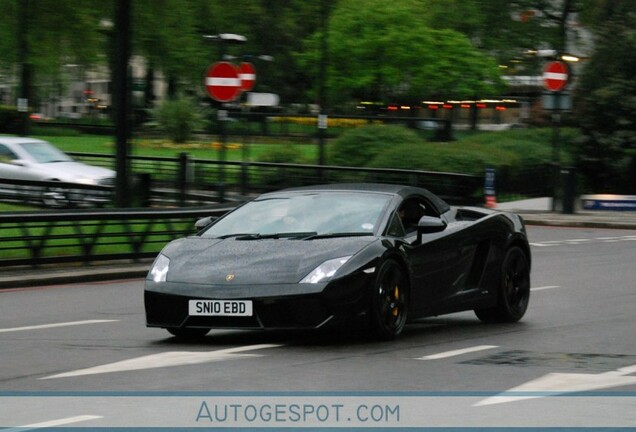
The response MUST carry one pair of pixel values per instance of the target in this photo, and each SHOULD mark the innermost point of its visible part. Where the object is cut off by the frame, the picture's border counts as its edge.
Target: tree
(606, 99)
(44, 35)
(273, 28)
(165, 34)
(510, 30)
(387, 51)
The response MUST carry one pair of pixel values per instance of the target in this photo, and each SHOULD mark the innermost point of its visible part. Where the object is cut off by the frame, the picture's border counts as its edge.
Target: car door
(441, 266)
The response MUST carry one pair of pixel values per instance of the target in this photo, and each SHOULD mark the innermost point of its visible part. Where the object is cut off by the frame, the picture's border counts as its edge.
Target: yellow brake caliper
(396, 296)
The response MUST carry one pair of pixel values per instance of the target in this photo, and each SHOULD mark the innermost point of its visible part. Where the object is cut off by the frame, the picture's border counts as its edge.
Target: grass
(469, 153)
(236, 150)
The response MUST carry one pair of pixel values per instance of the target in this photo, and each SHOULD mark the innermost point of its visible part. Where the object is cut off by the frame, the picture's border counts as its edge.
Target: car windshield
(43, 152)
(305, 215)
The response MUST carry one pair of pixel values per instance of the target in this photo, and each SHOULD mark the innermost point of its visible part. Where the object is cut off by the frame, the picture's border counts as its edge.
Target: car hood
(200, 260)
(74, 171)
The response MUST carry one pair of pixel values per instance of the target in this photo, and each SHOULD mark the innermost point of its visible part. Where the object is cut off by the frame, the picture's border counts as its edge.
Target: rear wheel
(389, 301)
(514, 289)
(188, 333)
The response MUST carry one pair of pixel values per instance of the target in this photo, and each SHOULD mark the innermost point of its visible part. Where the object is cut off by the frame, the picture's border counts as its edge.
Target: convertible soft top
(402, 191)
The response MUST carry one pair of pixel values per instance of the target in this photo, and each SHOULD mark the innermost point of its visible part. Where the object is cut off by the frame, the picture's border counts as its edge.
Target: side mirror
(204, 222)
(19, 162)
(430, 225)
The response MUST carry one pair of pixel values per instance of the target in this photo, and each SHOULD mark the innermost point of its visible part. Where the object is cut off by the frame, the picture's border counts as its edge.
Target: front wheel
(389, 301)
(514, 289)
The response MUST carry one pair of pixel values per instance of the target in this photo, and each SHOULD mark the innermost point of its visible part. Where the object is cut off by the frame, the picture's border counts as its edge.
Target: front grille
(107, 181)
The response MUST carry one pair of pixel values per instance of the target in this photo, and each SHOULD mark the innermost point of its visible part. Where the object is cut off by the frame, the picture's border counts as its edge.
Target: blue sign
(489, 186)
(609, 202)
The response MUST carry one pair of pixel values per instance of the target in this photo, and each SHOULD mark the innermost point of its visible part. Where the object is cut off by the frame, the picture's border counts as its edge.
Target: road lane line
(167, 359)
(563, 383)
(48, 326)
(53, 423)
(458, 352)
(545, 288)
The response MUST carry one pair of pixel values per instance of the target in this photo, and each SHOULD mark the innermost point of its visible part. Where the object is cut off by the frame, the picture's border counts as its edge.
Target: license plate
(220, 308)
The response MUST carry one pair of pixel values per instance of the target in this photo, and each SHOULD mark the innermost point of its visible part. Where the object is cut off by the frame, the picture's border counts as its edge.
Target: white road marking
(544, 288)
(560, 383)
(167, 359)
(48, 326)
(575, 242)
(458, 352)
(53, 423)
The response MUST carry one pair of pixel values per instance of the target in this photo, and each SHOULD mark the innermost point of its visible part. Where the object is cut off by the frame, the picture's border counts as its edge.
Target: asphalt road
(87, 344)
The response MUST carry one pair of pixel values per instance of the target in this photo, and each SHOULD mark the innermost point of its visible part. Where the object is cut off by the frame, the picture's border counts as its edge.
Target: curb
(73, 275)
(577, 222)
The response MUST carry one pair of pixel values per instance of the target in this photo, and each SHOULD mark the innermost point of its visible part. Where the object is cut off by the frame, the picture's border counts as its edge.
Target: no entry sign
(247, 74)
(555, 76)
(222, 82)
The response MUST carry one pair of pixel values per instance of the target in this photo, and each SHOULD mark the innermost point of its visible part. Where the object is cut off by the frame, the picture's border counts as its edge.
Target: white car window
(6, 155)
(45, 153)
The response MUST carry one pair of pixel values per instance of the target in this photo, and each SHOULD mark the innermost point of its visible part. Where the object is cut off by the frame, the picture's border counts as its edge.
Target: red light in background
(481, 105)
(433, 107)
(392, 108)
(465, 106)
(447, 106)
(500, 108)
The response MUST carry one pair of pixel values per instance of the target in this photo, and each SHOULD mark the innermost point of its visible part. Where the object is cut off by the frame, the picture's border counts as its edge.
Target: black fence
(63, 236)
(187, 181)
(88, 235)
(274, 124)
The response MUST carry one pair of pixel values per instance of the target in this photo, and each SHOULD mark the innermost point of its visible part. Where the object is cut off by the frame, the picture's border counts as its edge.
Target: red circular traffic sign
(247, 74)
(556, 75)
(222, 82)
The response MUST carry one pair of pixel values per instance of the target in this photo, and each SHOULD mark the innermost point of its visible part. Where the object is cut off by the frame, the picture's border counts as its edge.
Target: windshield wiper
(338, 234)
(226, 236)
(280, 235)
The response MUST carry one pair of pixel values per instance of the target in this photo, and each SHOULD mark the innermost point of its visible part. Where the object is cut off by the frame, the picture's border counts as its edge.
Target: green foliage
(166, 34)
(282, 177)
(606, 102)
(283, 154)
(178, 118)
(54, 131)
(358, 147)
(10, 119)
(387, 51)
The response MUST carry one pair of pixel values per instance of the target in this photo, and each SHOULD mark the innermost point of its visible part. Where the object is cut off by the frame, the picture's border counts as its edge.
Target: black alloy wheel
(514, 291)
(389, 302)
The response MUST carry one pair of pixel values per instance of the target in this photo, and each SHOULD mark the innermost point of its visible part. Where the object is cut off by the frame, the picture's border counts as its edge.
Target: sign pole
(224, 84)
(556, 153)
(556, 76)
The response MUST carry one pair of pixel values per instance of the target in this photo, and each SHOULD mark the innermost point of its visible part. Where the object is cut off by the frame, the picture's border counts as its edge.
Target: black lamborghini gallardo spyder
(315, 256)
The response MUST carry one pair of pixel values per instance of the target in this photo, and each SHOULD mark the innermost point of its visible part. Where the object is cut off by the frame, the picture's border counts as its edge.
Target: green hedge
(10, 119)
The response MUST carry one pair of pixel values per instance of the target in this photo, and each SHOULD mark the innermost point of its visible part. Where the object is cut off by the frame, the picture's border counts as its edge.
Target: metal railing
(185, 180)
(92, 235)
(36, 238)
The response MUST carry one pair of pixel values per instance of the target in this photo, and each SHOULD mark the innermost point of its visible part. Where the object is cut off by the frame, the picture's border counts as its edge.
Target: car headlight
(325, 270)
(85, 180)
(159, 270)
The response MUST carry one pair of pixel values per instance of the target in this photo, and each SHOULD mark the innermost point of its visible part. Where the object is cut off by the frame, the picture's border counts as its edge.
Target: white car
(24, 158)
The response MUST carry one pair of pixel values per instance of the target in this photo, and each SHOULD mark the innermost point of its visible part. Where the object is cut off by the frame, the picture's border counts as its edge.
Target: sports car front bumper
(287, 306)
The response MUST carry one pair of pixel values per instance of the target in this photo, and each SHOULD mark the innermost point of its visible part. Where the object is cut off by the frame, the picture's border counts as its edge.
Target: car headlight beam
(159, 270)
(325, 270)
